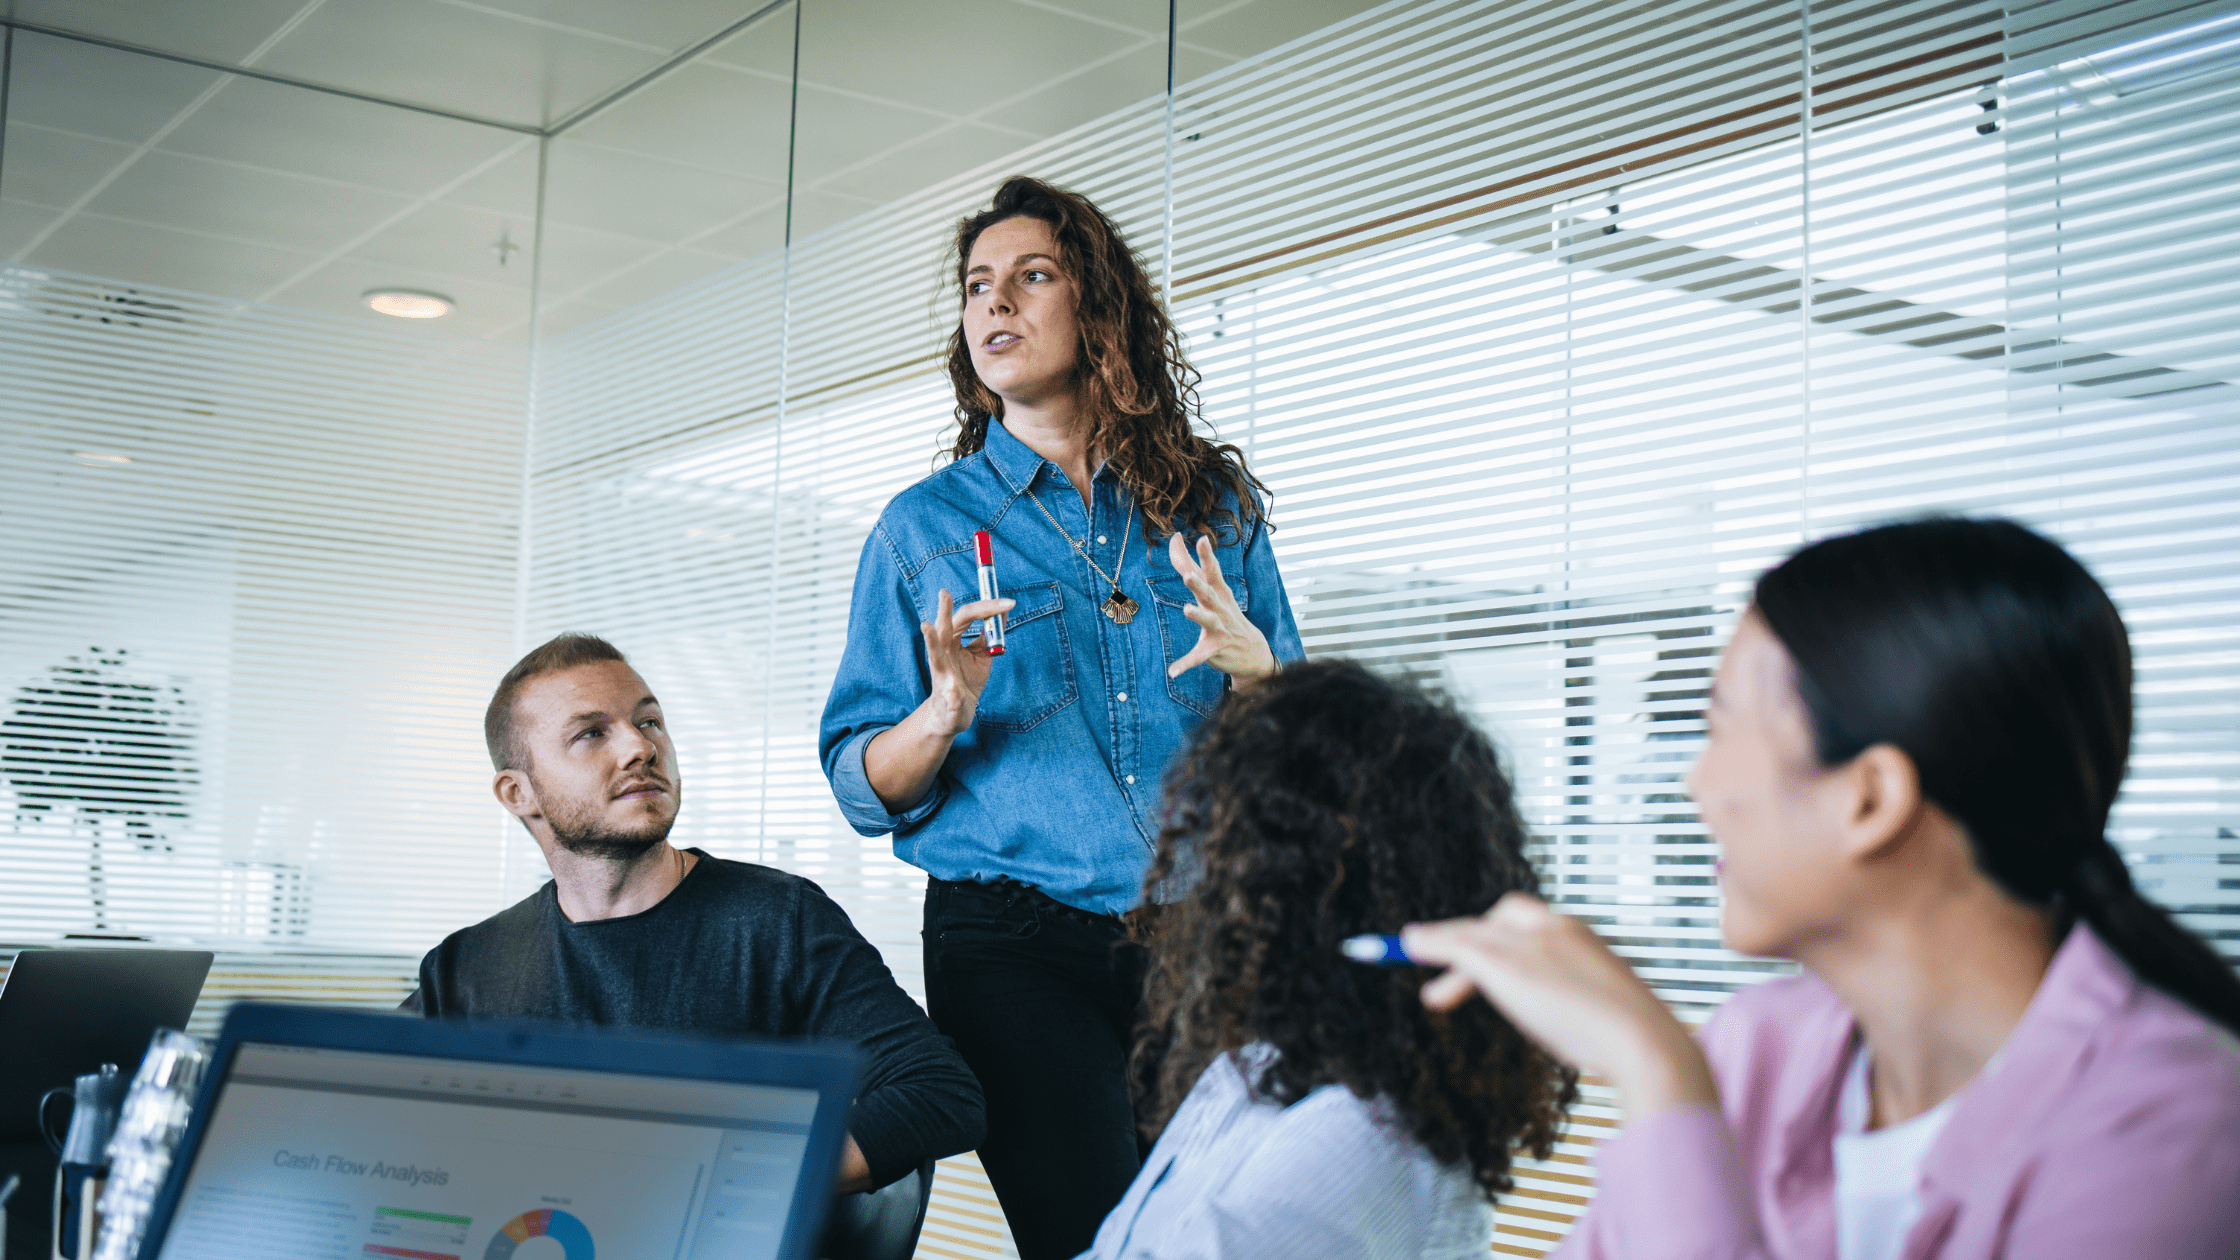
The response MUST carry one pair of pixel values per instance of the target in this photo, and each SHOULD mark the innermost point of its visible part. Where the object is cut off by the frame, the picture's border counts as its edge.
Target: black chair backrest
(880, 1224)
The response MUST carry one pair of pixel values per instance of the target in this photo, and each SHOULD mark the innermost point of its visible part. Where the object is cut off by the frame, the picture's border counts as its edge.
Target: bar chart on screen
(411, 1235)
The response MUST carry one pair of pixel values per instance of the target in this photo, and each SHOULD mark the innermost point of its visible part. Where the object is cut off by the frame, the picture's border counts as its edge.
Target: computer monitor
(342, 1135)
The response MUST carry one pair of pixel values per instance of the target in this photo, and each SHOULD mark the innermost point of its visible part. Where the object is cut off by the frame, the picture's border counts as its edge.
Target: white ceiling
(154, 172)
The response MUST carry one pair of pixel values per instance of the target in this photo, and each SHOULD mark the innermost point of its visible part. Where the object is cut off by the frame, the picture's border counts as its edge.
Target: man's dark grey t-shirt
(736, 949)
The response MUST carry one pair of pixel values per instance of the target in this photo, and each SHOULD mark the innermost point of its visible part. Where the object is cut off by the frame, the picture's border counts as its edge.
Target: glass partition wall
(1549, 324)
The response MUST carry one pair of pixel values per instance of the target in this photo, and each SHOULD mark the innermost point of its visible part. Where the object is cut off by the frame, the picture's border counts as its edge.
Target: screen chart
(343, 1155)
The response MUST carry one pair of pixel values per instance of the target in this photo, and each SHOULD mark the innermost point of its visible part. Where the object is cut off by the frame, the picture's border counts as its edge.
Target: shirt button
(1123, 697)
(1131, 778)
(1100, 538)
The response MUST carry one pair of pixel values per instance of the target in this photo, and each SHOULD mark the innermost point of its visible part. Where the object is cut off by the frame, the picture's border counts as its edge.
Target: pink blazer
(2111, 1128)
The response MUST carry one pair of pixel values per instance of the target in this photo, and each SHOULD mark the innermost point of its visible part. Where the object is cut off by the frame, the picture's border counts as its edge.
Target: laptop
(352, 1135)
(64, 1012)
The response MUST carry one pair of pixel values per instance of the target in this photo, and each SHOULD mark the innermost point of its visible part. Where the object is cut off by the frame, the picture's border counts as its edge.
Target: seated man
(633, 932)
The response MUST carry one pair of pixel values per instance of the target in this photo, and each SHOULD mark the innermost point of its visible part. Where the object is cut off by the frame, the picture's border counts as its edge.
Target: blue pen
(1377, 951)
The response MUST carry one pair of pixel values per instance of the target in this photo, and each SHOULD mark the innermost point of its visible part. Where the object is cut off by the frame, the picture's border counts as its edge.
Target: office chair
(880, 1224)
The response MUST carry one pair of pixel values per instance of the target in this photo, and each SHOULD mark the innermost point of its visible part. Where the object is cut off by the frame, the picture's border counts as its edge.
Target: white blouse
(1878, 1172)
(1329, 1176)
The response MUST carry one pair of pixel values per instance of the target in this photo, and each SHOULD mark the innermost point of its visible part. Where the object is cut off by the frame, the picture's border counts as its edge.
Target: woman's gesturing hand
(1556, 981)
(960, 670)
(1227, 639)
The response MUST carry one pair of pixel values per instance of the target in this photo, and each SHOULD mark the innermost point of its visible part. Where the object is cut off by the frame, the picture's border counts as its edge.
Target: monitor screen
(315, 1154)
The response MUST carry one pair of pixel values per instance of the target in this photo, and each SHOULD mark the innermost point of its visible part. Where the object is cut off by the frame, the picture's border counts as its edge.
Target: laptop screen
(319, 1154)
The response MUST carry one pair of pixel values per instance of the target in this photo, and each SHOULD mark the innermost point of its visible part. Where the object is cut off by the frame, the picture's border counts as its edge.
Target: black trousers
(1041, 999)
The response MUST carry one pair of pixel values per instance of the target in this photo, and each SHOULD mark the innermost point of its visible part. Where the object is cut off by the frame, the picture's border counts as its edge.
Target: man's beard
(593, 841)
(580, 832)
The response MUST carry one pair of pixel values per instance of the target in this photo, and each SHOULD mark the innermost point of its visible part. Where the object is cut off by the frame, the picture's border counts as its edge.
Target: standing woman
(1026, 784)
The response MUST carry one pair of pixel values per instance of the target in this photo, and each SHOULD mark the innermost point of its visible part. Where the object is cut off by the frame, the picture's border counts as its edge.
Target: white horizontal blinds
(869, 406)
(675, 573)
(2123, 345)
(261, 564)
(1530, 430)
(1536, 454)
(1414, 117)
(714, 536)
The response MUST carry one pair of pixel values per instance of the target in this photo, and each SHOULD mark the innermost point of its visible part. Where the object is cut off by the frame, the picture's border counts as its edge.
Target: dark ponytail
(1994, 660)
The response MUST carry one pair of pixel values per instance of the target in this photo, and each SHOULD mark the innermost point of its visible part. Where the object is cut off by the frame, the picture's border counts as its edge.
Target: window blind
(261, 564)
(1551, 326)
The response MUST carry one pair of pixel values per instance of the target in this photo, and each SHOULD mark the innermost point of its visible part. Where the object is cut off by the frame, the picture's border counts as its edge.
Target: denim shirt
(1057, 783)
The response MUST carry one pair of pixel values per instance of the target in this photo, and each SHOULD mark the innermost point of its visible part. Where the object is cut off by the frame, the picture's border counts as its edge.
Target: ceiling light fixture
(409, 303)
(103, 459)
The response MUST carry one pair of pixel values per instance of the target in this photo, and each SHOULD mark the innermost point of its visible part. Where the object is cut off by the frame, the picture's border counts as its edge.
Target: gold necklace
(1117, 607)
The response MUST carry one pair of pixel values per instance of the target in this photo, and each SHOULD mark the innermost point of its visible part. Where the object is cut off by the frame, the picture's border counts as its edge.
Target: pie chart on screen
(560, 1227)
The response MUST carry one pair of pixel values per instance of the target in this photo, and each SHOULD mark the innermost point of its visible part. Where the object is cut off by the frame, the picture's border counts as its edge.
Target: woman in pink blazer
(1997, 1047)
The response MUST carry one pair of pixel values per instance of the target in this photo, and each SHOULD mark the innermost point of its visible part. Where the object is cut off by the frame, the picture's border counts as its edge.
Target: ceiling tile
(633, 195)
(98, 91)
(509, 187)
(814, 211)
(339, 288)
(54, 168)
(755, 232)
(703, 116)
(226, 199)
(577, 259)
(138, 253)
(290, 129)
(837, 131)
(567, 317)
(459, 241)
(1141, 17)
(1089, 95)
(951, 57)
(668, 24)
(1254, 27)
(221, 30)
(19, 222)
(472, 61)
(924, 162)
(664, 272)
(765, 48)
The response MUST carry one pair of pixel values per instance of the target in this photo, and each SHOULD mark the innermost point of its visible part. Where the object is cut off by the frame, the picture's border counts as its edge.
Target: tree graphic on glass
(105, 750)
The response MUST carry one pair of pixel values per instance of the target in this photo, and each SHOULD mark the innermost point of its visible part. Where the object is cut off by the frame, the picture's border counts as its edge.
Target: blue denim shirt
(1057, 782)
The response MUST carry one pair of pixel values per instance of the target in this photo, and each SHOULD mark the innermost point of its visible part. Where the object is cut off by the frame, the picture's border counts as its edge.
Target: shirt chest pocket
(1201, 687)
(1034, 677)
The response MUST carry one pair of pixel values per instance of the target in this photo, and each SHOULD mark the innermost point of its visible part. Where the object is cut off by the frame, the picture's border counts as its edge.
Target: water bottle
(149, 1126)
(95, 1102)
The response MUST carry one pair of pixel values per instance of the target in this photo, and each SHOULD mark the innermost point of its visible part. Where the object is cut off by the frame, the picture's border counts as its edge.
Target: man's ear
(1885, 800)
(517, 794)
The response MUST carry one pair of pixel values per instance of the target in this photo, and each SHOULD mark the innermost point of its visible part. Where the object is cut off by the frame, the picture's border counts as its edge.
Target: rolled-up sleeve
(881, 680)
(1271, 604)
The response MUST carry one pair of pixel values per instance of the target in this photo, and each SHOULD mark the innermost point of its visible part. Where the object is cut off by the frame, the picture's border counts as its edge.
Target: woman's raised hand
(1227, 639)
(960, 670)
(1558, 983)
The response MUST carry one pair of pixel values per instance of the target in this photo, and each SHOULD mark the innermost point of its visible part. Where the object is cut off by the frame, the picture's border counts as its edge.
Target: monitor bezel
(832, 1069)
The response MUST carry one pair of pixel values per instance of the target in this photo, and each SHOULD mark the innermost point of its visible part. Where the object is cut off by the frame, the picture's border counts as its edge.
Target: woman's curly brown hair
(1315, 805)
(1137, 387)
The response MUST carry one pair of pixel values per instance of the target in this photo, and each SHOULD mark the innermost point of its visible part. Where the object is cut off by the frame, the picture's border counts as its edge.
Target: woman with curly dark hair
(1026, 784)
(1306, 1105)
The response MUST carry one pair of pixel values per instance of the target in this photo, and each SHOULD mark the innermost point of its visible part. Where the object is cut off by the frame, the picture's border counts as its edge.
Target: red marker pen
(991, 628)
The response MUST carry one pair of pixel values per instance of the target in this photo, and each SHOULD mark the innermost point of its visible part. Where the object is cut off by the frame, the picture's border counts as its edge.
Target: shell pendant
(1120, 608)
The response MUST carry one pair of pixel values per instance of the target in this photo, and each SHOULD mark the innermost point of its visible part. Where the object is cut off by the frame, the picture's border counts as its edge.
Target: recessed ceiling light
(103, 459)
(409, 303)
